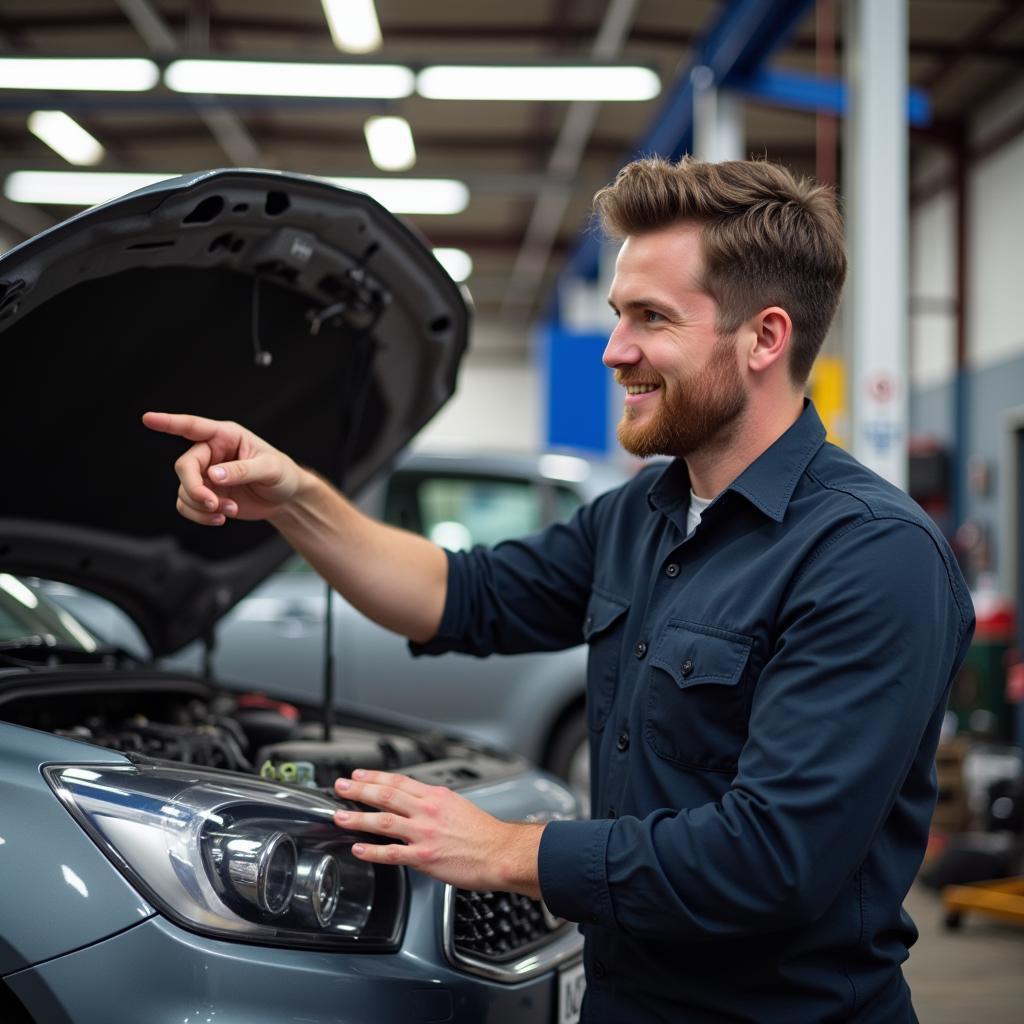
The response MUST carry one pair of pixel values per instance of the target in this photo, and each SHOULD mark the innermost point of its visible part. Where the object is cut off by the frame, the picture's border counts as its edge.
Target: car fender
(58, 891)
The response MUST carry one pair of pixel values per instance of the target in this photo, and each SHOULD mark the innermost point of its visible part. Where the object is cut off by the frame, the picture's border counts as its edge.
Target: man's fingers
(362, 777)
(192, 428)
(384, 797)
(199, 516)
(383, 823)
(260, 469)
(224, 504)
(191, 468)
(390, 854)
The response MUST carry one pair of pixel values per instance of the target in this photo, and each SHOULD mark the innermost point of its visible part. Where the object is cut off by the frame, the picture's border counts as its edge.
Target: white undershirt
(696, 510)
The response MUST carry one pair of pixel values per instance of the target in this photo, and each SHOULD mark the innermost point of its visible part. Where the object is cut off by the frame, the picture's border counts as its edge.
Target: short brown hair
(769, 239)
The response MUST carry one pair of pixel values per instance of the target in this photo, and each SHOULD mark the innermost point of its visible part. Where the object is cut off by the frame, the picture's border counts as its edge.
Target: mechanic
(773, 633)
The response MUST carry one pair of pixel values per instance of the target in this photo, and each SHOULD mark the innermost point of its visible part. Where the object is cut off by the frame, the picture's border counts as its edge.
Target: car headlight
(236, 857)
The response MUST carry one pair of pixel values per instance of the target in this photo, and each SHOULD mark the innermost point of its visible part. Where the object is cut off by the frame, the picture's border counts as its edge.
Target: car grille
(497, 926)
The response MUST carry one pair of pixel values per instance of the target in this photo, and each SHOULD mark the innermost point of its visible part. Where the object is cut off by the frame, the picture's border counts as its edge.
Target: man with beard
(773, 632)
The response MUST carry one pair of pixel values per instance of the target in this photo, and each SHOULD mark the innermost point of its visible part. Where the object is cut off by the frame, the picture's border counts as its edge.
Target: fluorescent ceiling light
(74, 188)
(353, 24)
(65, 136)
(389, 140)
(457, 262)
(412, 195)
(85, 188)
(273, 78)
(482, 82)
(83, 74)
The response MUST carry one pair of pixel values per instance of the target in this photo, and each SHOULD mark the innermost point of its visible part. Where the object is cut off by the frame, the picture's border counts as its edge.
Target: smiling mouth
(640, 389)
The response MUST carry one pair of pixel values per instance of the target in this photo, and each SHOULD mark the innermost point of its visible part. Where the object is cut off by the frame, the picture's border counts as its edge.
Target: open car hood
(304, 311)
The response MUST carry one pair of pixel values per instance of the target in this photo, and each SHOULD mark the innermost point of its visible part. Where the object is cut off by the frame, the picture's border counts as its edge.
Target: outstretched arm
(396, 578)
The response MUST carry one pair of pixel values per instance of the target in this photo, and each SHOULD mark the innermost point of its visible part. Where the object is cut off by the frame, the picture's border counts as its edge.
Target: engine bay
(188, 721)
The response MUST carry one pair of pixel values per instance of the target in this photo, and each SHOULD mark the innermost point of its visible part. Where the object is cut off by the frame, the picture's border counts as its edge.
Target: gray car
(167, 844)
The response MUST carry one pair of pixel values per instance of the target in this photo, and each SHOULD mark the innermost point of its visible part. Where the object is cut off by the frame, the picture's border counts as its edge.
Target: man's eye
(651, 317)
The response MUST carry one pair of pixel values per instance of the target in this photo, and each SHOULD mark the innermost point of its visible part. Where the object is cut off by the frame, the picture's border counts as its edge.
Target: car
(168, 845)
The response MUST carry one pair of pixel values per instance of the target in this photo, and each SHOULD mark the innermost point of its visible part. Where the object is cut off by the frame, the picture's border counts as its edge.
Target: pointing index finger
(192, 428)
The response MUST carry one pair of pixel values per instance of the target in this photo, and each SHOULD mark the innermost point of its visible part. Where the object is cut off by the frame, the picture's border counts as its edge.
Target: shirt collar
(767, 483)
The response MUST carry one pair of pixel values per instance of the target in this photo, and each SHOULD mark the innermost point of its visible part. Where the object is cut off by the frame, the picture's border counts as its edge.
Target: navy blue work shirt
(764, 701)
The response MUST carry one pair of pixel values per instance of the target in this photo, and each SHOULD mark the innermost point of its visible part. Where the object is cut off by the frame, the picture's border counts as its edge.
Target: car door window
(566, 502)
(460, 511)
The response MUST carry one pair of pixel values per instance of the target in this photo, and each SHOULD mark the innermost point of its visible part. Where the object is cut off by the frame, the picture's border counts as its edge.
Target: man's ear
(770, 333)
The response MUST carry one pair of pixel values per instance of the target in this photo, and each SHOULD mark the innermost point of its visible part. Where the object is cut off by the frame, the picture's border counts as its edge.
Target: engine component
(319, 763)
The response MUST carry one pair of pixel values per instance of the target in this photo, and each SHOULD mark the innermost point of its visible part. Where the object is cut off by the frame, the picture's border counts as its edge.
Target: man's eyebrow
(643, 303)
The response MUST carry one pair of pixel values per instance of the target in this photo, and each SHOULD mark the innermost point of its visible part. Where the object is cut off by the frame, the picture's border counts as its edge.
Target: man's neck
(713, 468)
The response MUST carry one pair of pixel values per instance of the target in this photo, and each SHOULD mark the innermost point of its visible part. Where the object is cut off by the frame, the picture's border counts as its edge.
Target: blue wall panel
(577, 391)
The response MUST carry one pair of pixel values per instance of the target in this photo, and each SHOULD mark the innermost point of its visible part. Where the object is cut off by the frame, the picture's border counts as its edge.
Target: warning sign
(881, 387)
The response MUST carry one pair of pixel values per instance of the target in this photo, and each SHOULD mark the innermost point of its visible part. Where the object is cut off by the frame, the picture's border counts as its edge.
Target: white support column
(875, 162)
(718, 130)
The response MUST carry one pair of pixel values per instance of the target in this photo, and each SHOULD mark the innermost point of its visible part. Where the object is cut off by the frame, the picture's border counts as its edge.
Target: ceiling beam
(553, 201)
(224, 124)
(972, 43)
(739, 41)
(306, 29)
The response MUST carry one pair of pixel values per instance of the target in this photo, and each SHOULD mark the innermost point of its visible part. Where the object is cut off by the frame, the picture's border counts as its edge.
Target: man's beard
(700, 413)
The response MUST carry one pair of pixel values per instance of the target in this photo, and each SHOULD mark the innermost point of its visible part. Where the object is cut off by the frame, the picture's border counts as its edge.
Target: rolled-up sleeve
(870, 636)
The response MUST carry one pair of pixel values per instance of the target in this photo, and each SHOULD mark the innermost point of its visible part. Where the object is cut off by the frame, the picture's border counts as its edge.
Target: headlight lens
(236, 857)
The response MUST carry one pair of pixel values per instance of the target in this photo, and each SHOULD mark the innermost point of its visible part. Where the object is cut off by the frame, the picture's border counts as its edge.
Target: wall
(996, 240)
(497, 404)
(932, 292)
(995, 333)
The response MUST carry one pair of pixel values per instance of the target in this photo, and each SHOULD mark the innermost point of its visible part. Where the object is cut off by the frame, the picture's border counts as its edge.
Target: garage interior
(923, 377)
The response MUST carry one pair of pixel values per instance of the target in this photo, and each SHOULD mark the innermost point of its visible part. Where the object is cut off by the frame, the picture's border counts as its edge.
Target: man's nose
(620, 350)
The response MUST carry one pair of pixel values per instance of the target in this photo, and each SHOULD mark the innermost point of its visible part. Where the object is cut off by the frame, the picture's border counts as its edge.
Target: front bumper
(155, 972)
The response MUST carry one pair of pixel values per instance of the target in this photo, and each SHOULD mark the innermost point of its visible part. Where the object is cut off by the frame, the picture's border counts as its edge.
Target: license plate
(571, 985)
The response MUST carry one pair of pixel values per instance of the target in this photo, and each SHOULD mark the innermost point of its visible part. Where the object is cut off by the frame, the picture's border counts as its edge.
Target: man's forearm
(394, 577)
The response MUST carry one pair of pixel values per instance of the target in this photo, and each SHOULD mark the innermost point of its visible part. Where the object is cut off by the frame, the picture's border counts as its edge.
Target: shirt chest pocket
(602, 630)
(698, 703)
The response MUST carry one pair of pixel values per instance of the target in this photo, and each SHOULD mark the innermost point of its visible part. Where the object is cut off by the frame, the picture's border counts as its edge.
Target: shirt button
(686, 668)
(640, 650)
(611, 812)
(623, 741)
(588, 622)
(600, 971)
(672, 570)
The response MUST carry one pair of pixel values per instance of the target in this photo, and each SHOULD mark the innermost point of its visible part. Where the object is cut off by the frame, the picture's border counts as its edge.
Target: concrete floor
(974, 975)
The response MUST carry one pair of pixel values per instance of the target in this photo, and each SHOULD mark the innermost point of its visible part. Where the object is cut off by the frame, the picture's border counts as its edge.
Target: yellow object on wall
(827, 388)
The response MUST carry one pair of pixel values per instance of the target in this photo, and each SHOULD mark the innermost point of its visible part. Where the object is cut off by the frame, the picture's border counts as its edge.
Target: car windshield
(28, 618)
